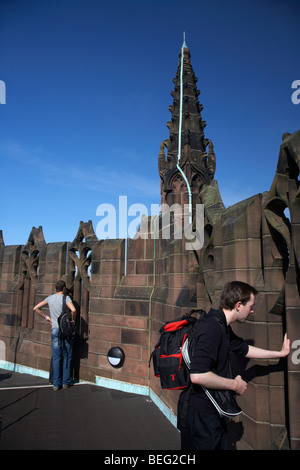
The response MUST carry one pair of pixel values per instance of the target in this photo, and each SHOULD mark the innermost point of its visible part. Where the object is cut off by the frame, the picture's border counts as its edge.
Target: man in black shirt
(205, 429)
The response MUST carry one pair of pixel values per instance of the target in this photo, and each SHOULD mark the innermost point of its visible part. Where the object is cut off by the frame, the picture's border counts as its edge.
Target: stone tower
(188, 165)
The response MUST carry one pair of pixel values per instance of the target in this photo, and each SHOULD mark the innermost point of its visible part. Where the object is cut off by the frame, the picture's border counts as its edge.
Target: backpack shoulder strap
(64, 303)
(183, 407)
(219, 319)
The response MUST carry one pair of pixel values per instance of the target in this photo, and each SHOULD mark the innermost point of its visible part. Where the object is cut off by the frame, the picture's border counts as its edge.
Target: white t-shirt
(55, 302)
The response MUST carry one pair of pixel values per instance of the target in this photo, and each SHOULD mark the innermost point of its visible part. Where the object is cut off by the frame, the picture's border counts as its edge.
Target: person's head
(60, 286)
(238, 295)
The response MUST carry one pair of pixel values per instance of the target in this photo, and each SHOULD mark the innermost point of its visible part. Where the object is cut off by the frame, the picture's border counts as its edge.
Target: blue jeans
(61, 349)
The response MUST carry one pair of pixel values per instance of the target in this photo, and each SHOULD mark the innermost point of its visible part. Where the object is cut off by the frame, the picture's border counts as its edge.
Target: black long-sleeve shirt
(215, 340)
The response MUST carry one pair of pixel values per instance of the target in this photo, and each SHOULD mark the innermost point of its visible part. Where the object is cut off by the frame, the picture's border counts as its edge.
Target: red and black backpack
(168, 355)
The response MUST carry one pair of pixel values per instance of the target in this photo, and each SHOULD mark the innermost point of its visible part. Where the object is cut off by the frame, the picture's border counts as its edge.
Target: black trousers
(204, 431)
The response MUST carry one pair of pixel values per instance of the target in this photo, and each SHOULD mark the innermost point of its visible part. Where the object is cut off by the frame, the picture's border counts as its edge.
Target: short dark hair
(234, 292)
(60, 285)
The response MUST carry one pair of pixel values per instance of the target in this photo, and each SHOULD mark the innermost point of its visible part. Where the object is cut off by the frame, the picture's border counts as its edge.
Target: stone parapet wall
(124, 294)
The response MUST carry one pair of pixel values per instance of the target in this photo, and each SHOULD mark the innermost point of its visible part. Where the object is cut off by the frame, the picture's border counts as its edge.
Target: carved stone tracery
(78, 279)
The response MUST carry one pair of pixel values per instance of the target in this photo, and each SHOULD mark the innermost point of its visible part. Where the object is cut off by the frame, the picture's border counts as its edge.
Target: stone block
(136, 308)
(135, 368)
(135, 280)
(133, 352)
(136, 249)
(105, 333)
(136, 337)
(109, 279)
(144, 267)
(131, 322)
(256, 435)
(277, 408)
(132, 292)
(110, 267)
(112, 250)
(294, 409)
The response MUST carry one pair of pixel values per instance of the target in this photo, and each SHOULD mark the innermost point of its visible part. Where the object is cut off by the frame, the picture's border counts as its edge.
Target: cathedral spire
(194, 160)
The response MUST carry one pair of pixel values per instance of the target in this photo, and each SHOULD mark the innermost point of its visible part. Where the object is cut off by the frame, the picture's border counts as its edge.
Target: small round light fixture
(116, 357)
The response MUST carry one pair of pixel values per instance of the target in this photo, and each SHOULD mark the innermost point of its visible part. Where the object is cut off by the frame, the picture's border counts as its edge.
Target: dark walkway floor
(83, 417)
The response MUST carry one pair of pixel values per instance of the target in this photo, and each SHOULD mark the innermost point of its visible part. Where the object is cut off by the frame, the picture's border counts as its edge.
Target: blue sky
(88, 88)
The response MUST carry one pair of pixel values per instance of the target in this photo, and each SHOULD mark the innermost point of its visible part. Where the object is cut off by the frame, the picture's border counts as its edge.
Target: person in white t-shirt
(59, 348)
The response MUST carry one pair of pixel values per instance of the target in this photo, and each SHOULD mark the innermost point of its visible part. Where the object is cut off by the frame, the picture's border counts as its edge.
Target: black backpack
(176, 339)
(172, 359)
(67, 328)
